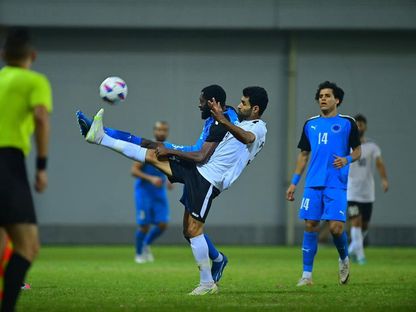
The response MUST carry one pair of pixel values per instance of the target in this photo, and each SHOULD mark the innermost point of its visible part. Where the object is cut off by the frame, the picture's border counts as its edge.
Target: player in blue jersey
(331, 142)
(152, 207)
(219, 261)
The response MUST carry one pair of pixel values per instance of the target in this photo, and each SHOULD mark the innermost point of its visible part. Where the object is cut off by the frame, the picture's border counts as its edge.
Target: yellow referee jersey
(20, 91)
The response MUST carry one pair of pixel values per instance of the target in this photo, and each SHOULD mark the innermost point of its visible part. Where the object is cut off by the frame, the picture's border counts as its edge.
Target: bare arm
(245, 137)
(136, 171)
(201, 156)
(301, 163)
(340, 162)
(381, 168)
(41, 117)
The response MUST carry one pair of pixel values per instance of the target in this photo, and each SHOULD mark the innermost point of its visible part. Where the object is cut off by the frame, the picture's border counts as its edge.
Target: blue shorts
(324, 203)
(151, 209)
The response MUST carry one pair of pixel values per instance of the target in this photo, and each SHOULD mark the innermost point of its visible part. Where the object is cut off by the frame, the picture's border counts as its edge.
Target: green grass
(256, 278)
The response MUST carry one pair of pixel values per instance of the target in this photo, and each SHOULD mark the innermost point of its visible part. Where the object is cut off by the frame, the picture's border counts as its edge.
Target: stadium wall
(167, 61)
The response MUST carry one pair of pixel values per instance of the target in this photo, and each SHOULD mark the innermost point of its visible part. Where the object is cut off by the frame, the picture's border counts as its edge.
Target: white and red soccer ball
(113, 90)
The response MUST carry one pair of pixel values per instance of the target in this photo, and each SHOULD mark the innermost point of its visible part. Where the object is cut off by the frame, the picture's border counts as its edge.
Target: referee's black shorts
(16, 202)
(198, 192)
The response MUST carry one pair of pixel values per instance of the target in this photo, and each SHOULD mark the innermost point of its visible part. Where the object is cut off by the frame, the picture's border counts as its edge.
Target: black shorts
(198, 192)
(16, 203)
(364, 209)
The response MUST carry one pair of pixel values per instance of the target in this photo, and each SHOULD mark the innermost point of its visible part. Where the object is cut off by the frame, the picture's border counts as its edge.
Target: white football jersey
(361, 176)
(231, 156)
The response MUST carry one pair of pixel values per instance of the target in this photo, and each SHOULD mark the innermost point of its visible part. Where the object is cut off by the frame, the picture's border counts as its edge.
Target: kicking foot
(344, 271)
(304, 281)
(201, 290)
(96, 132)
(84, 123)
(140, 259)
(218, 267)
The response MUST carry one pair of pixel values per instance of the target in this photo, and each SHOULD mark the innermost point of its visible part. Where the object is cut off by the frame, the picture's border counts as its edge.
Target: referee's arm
(41, 117)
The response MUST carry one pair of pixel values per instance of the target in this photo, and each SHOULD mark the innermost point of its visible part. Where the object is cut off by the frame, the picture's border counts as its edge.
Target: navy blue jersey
(325, 137)
(148, 187)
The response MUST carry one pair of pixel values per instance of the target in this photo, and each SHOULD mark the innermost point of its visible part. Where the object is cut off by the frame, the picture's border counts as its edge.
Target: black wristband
(41, 163)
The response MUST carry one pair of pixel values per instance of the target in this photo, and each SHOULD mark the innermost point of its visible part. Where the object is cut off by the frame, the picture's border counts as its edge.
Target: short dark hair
(338, 92)
(216, 92)
(257, 96)
(361, 118)
(18, 44)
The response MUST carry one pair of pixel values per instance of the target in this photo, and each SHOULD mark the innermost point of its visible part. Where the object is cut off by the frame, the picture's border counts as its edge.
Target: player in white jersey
(227, 150)
(361, 190)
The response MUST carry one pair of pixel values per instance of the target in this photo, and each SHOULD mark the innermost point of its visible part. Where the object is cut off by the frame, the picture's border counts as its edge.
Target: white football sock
(357, 240)
(128, 149)
(306, 274)
(200, 250)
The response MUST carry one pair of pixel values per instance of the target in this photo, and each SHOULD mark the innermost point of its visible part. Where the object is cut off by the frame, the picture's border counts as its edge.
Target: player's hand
(216, 110)
(162, 152)
(41, 181)
(156, 181)
(339, 162)
(385, 185)
(290, 193)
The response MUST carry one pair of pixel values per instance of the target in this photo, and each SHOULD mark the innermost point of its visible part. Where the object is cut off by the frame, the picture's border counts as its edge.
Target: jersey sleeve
(41, 93)
(304, 144)
(354, 140)
(377, 151)
(258, 129)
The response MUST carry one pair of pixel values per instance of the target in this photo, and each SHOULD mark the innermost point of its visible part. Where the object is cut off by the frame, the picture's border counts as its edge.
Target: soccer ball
(113, 90)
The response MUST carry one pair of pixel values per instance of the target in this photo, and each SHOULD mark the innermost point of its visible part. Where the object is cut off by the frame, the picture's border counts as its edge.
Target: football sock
(124, 136)
(154, 233)
(139, 241)
(357, 241)
(129, 150)
(341, 242)
(309, 249)
(13, 279)
(214, 255)
(200, 250)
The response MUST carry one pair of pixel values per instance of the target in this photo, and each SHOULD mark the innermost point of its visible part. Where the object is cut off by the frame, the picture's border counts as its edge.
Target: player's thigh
(25, 239)
(194, 227)
(143, 208)
(366, 210)
(311, 207)
(162, 165)
(335, 205)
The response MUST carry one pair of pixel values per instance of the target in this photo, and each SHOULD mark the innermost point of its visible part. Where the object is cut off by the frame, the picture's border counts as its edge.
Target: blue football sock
(213, 252)
(309, 249)
(341, 242)
(139, 241)
(123, 136)
(154, 233)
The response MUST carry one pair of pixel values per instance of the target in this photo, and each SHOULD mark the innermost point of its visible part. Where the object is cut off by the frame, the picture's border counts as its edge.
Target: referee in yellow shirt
(25, 104)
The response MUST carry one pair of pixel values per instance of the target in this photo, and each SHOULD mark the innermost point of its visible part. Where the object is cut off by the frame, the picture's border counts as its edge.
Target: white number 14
(323, 138)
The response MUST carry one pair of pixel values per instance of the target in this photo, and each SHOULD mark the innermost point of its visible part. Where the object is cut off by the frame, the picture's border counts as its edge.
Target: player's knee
(151, 156)
(28, 249)
(311, 226)
(144, 228)
(162, 226)
(336, 228)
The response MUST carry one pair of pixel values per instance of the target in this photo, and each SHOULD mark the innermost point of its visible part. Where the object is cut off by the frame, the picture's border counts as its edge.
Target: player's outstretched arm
(301, 162)
(245, 137)
(381, 168)
(41, 117)
(201, 156)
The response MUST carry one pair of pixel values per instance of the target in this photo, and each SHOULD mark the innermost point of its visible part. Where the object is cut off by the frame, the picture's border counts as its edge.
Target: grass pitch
(256, 279)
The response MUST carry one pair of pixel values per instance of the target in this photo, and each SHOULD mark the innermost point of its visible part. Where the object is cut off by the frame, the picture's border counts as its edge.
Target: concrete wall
(167, 53)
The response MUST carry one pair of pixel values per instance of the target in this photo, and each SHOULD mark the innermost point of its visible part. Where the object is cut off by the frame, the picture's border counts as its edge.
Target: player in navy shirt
(331, 142)
(152, 206)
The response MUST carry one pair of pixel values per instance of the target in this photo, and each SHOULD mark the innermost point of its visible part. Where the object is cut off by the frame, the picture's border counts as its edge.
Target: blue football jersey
(326, 137)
